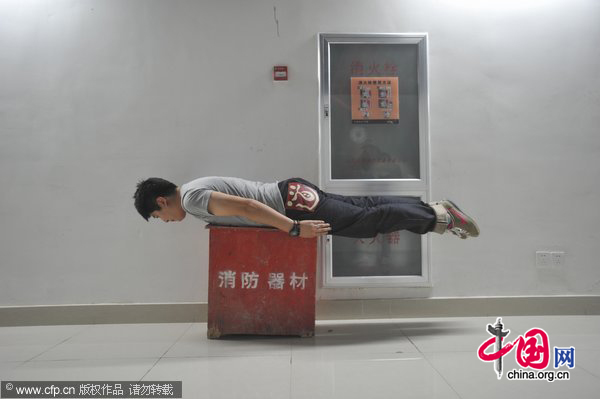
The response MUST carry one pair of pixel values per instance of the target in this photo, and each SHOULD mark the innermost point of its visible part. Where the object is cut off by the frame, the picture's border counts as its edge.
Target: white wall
(96, 95)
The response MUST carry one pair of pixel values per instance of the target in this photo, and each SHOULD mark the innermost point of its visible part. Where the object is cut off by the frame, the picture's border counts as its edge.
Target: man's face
(170, 210)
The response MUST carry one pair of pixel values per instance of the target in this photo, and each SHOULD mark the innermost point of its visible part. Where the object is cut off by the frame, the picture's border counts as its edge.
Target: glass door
(374, 140)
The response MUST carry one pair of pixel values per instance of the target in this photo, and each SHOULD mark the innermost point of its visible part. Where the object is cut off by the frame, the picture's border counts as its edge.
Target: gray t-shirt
(196, 194)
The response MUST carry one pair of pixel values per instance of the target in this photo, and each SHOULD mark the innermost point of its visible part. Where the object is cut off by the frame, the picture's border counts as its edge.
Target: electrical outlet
(558, 258)
(543, 258)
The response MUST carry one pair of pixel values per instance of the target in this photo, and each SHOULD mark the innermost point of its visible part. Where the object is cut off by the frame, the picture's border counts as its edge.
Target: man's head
(159, 198)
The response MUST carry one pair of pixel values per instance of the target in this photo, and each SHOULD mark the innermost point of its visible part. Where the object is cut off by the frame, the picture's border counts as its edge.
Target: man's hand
(221, 204)
(313, 228)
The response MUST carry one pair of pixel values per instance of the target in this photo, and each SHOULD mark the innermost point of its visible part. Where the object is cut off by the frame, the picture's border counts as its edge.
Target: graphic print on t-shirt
(301, 197)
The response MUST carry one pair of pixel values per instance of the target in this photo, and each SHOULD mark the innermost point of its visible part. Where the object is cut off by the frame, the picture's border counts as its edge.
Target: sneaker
(460, 223)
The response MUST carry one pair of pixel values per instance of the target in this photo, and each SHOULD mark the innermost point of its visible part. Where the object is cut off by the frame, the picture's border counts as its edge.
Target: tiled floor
(400, 358)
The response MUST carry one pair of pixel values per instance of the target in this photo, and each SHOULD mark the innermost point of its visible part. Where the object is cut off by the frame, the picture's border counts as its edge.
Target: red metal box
(261, 281)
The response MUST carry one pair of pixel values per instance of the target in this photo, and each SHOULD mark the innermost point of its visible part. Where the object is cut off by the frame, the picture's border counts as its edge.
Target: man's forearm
(263, 214)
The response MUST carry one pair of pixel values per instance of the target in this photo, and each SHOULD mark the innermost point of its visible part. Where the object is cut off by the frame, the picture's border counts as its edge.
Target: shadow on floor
(360, 333)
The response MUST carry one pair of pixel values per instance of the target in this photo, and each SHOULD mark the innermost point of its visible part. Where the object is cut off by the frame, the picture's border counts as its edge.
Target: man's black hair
(147, 192)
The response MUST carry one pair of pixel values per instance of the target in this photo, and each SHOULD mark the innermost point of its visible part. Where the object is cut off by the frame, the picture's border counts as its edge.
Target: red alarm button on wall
(280, 73)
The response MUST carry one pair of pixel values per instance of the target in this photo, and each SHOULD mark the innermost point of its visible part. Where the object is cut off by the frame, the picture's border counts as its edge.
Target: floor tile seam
(165, 352)
(178, 338)
(357, 353)
(290, 379)
(410, 340)
(84, 359)
(587, 371)
(224, 356)
(450, 351)
(423, 353)
(135, 325)
(59, 343)
(442, 376)
(52, 347)
(92, 357)
(19, 364)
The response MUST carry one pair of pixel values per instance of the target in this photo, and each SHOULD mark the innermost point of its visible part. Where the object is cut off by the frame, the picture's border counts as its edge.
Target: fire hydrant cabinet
(261, 281)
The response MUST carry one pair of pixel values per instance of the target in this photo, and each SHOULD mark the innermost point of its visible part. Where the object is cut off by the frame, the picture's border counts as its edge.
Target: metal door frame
(417, 187)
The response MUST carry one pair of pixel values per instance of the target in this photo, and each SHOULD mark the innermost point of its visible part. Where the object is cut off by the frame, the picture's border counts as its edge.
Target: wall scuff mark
(276, 20)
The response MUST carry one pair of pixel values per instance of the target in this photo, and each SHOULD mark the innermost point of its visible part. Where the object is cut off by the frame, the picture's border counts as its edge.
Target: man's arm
(221, 204)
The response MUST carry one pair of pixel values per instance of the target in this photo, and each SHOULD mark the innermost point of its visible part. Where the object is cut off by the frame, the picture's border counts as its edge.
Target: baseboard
(459, 307)
(111, 313)
(326, 310)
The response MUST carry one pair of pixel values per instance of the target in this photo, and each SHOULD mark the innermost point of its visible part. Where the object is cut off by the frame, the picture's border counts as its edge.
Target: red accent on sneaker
(458, 215)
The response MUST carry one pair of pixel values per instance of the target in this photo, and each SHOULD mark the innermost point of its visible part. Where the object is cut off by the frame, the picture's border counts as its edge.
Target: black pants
(362, 216)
